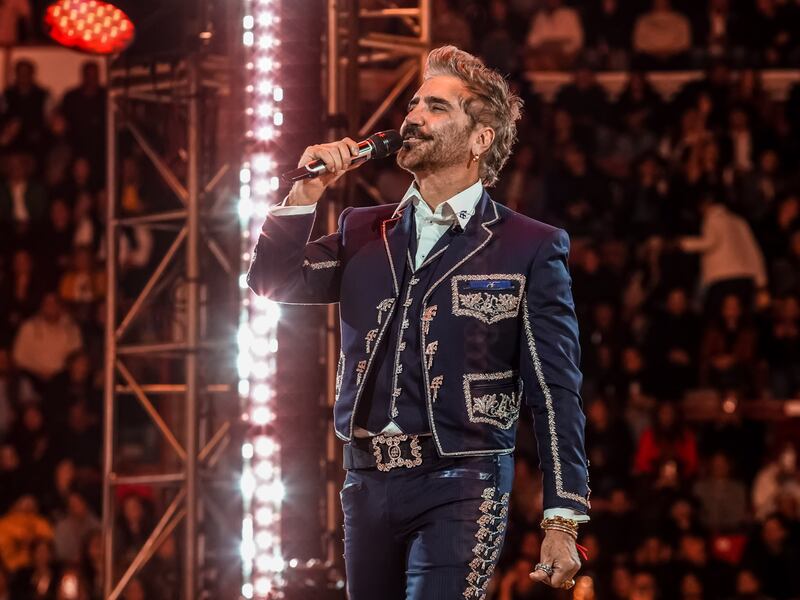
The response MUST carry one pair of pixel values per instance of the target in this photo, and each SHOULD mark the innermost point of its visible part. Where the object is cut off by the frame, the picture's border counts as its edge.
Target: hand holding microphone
(323, 164)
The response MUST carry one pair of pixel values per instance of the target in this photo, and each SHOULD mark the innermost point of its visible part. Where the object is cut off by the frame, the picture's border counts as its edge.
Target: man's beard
(434, 152)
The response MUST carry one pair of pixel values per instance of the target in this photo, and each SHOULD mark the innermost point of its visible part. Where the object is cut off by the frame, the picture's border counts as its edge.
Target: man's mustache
(413, 131)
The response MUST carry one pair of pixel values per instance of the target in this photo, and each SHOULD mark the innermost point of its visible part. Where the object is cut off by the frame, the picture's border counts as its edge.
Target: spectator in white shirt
(44, 341)
(555, 36)
(662, 37)
(731, 262)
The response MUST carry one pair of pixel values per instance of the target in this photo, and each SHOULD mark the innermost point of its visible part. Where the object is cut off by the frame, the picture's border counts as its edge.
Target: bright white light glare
(264, 540)
(264, 87)
(260, 347)
(264, 446)
(245, 208)
(264, 64)
(244, 175)
(248, 549)
(262, 415)
(263, 563)
(278, 564)
(264, 470)
(243, 281)
(247, 38)
(247, 590)
(263, 586)
(262, 163)
(247, 450)
(274, 183)
(265, 19)
(248, 484)
(261, 368)
(264, 517)
(271, 492)
(277, 94)
(272, 310)
(265, 42)
(264, 110)
(244, 364)
(244, 192)
(261, 187)
(244, 337)
(244, 387)
(278, 118)
(265, 133)
(260, 325)
(260, 393)
(248, 22)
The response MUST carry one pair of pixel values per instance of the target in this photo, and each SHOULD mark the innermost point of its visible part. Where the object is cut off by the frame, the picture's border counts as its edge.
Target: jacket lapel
(466, 246)
(395, 232)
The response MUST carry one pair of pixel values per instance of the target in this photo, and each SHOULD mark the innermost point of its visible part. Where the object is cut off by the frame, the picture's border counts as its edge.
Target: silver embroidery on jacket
(339, 375)
(369, 338)
(360, 368)
(427, 317)
(430, 352)
(384, 306)
(436, 383)
(489, 305)
(551, 413)
(404, 324)
(499, 405)
(325, 264)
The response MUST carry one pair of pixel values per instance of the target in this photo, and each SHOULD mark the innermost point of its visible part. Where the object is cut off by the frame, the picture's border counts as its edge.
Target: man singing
(455, 311)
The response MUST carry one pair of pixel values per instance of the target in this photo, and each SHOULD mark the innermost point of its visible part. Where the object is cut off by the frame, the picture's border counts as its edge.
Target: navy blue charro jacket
(499, 304)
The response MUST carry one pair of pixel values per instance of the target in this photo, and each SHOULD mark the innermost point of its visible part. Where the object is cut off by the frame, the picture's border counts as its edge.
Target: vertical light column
(262, 488)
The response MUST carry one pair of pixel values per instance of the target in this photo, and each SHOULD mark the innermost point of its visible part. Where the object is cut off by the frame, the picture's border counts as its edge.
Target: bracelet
(561, 524)
(569, 532)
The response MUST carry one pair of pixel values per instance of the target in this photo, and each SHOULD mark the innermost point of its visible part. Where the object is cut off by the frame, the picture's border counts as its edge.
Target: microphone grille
(385, 143)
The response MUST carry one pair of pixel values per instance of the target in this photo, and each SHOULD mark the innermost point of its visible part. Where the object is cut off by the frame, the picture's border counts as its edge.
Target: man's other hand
(559, 551)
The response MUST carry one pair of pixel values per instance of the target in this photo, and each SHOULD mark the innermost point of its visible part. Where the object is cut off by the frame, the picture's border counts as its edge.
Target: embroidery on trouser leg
(489, 537)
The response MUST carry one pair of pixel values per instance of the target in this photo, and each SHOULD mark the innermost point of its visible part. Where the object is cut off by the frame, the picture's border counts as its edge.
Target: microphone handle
(316, 167)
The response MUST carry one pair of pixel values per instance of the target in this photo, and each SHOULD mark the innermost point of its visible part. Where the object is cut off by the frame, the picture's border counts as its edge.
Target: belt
(387, 452)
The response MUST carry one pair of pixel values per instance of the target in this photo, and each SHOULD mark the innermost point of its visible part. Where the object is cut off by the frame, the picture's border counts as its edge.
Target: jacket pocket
(488, 298)
(493, 398)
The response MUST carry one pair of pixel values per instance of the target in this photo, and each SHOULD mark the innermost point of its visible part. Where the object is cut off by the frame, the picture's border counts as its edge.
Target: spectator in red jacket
(667, 439)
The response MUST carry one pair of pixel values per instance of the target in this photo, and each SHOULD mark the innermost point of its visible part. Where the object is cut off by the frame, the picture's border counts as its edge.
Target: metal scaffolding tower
(163, 351)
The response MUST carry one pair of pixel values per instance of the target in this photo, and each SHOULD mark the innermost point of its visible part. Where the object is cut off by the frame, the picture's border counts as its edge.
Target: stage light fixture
(90, 26)
(263, 489)
(142, 29)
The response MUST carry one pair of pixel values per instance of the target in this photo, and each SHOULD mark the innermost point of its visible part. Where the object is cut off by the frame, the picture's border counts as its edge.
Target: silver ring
(546, 568)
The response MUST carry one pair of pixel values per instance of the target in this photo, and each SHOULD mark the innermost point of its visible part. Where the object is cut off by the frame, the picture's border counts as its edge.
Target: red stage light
(89, 25)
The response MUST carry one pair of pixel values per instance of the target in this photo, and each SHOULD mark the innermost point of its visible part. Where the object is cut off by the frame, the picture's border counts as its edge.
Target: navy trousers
(433, 532)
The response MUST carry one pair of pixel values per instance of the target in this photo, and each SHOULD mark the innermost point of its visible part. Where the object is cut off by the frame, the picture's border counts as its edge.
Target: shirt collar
(460, 207)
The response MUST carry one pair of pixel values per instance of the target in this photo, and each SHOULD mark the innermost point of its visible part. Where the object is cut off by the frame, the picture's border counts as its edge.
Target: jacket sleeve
(288, 268)
(549, 367)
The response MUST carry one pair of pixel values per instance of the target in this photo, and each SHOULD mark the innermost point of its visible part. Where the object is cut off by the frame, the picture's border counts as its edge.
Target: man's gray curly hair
(492, 103)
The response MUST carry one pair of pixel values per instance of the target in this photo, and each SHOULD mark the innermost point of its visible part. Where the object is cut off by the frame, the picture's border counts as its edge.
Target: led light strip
(262, 488)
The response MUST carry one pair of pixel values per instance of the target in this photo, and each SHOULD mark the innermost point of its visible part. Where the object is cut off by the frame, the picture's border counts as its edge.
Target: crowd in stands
(684, 215)
(52, 311)
(621, 34)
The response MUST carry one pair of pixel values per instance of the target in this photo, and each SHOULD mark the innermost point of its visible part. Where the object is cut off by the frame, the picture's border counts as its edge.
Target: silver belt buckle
(394, 445)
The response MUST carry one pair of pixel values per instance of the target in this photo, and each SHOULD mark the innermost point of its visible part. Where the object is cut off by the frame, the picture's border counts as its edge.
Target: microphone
(378, 145)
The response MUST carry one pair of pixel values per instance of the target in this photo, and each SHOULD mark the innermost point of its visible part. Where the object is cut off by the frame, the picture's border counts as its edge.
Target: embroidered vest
(394, 390)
